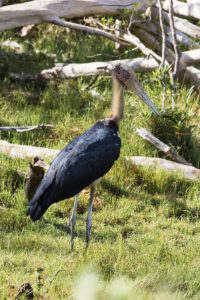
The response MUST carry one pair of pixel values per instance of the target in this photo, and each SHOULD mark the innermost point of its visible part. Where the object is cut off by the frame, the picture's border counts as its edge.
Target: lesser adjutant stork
(86, 159)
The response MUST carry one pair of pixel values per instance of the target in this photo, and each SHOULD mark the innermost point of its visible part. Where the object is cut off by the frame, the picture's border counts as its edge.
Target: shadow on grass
(113, 188)
(180, 209)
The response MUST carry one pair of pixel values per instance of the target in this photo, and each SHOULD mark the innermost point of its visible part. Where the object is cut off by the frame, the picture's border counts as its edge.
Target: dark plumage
(88, 157)
(78, 165)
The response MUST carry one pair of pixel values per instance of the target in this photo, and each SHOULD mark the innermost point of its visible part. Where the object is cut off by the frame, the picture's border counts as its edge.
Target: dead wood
(163, 33)
(117, 33)
(153, 27)
(94, 68)
(22, 151)
(34, 176)
(189, 9)
(191, 57)
(26, 29)
(26, 291)
(180, 24)
(89, 30)
(183, 171)
(139, 65)
(137, 42)
(13, 45)
(36, 12)
(63, 70)
(186, 74)
(26, 128)
(148, 136)
(177, 52)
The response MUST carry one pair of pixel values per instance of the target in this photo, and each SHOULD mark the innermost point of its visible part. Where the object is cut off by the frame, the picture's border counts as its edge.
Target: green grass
(145, 237)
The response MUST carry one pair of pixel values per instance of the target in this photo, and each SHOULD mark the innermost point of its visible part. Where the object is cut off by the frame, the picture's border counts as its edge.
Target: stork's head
(127, 77)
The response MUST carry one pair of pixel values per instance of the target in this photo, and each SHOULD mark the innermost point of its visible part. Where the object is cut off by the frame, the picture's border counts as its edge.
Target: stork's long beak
(128, 78)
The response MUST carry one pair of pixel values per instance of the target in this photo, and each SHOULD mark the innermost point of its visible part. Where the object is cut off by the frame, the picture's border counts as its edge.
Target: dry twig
(110, 55)
(135, 41)
(163, 34)
(52, 279)
(89, 30)
(26, 128)
(176, 50)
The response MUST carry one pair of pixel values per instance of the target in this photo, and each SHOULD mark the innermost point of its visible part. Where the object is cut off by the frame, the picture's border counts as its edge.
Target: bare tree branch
(117, 33)
(110, 55)
(89, 30)
(148, 136)
(135, 41)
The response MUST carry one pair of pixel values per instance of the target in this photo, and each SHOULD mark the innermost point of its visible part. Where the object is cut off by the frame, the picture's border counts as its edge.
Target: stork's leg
(89, 217)
(73, 220)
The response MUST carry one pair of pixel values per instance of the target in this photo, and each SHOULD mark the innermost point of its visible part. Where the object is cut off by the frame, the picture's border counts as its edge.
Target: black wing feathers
(81, 162)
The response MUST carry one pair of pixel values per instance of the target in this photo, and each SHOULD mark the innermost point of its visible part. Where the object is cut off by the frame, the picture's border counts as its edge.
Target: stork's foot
(88, 229)
(72, 223)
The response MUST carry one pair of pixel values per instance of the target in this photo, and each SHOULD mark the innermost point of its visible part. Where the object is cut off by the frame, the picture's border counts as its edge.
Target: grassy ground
(145, 236)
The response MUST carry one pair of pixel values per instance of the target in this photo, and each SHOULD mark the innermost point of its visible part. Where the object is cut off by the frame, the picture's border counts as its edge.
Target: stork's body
(78, 165)
(87, 158)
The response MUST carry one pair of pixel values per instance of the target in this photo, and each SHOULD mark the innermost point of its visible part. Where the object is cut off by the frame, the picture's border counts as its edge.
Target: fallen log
(180, 24)
(186, 74)
(94, 68)
(22, 151)
(153, 27)
(64, 71)
(36, 12)
(189, 9)
(191, 57)
(183, 171)
(26, 128)
(181, 38)
(148, 136)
